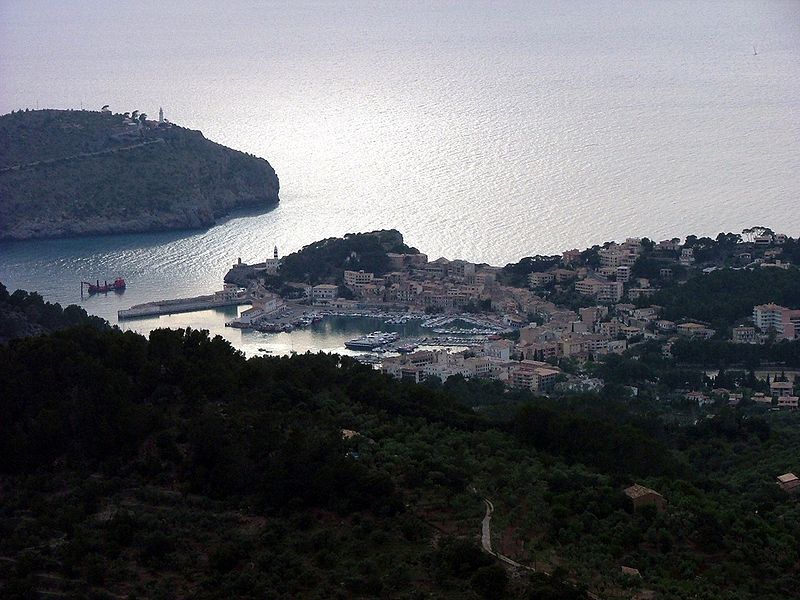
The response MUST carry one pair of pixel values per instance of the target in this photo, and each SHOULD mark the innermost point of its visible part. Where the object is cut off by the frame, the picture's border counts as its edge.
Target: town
(543, 324)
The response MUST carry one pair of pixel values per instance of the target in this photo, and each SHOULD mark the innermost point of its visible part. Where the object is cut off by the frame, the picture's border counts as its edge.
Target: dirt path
(486, 539)
(486, 543)
(82, 155)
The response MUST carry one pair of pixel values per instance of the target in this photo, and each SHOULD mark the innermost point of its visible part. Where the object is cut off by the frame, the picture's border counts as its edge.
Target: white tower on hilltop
(160, 115)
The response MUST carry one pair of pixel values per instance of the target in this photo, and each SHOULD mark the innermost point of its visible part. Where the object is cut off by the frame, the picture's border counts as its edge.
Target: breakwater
(179, 305)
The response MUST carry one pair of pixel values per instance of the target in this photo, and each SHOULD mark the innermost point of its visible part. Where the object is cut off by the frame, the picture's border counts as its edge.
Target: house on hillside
(642, 496)
(789, 482)
(781, 388)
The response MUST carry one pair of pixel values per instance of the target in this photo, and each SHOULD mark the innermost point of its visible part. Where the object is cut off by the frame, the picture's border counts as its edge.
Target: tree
(490, 581)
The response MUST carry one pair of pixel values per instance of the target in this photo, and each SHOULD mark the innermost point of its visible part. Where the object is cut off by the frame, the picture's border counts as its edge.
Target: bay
(481, 130)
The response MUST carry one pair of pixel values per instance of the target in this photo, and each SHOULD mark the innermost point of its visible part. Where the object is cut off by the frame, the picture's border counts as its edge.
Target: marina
(373, 340)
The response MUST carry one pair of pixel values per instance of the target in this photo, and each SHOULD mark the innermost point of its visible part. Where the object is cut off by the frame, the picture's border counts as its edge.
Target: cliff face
(67, 173)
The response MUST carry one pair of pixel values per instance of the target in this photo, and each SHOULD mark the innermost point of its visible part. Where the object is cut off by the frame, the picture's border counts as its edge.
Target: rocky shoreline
(192, 218)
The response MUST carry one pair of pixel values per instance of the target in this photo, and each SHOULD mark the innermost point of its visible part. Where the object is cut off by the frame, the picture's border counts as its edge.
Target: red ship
(95, 288)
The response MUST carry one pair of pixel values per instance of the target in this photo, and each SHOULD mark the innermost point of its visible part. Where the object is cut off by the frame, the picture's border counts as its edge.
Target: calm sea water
(482, 130)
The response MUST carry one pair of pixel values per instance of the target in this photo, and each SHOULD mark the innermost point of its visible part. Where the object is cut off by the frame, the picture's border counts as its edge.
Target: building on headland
(271, 265)
(784, 321)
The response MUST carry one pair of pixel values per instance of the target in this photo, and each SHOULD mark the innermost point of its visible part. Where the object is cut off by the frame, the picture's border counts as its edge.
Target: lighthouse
(271, 265)
(160, 115)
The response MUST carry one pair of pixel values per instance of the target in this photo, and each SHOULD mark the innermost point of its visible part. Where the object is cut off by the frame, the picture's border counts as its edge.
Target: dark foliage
(327, 259)
(26, 313)
(725, 297)
(516, 274)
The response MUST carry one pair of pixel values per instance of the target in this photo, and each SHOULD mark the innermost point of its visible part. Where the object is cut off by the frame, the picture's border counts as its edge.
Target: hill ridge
(68, 173)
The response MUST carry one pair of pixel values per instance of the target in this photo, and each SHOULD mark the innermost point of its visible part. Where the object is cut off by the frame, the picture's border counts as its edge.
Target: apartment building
(602, 290)
(620, 255)
(744, 335)
(785, 321)
(356, 278)
(324, 292)
(535, 376)
(694, 330)
(536, 280)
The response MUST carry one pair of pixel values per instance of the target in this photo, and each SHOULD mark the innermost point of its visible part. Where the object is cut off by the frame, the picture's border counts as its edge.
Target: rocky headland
(71, 173)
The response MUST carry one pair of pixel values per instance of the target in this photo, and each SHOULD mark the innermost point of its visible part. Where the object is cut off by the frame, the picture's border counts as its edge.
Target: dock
(180, 305)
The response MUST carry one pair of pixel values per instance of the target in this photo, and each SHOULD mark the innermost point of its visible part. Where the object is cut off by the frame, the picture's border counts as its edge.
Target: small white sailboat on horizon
(755, 52)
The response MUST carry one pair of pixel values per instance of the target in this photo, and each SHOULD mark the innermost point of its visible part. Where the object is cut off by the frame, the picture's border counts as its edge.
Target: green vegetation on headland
(175, 468)
(67, 173)
(328, 258)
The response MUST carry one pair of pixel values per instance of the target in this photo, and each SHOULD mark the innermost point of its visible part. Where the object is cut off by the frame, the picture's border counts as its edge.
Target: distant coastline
(74, 173)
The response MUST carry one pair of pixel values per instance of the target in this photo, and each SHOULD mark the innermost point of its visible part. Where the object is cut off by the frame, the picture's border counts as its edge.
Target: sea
(481, 130)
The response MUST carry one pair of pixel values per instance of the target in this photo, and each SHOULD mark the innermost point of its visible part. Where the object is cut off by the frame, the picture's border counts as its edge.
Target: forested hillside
(175, 468)
(23, 314)
(726, 296)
